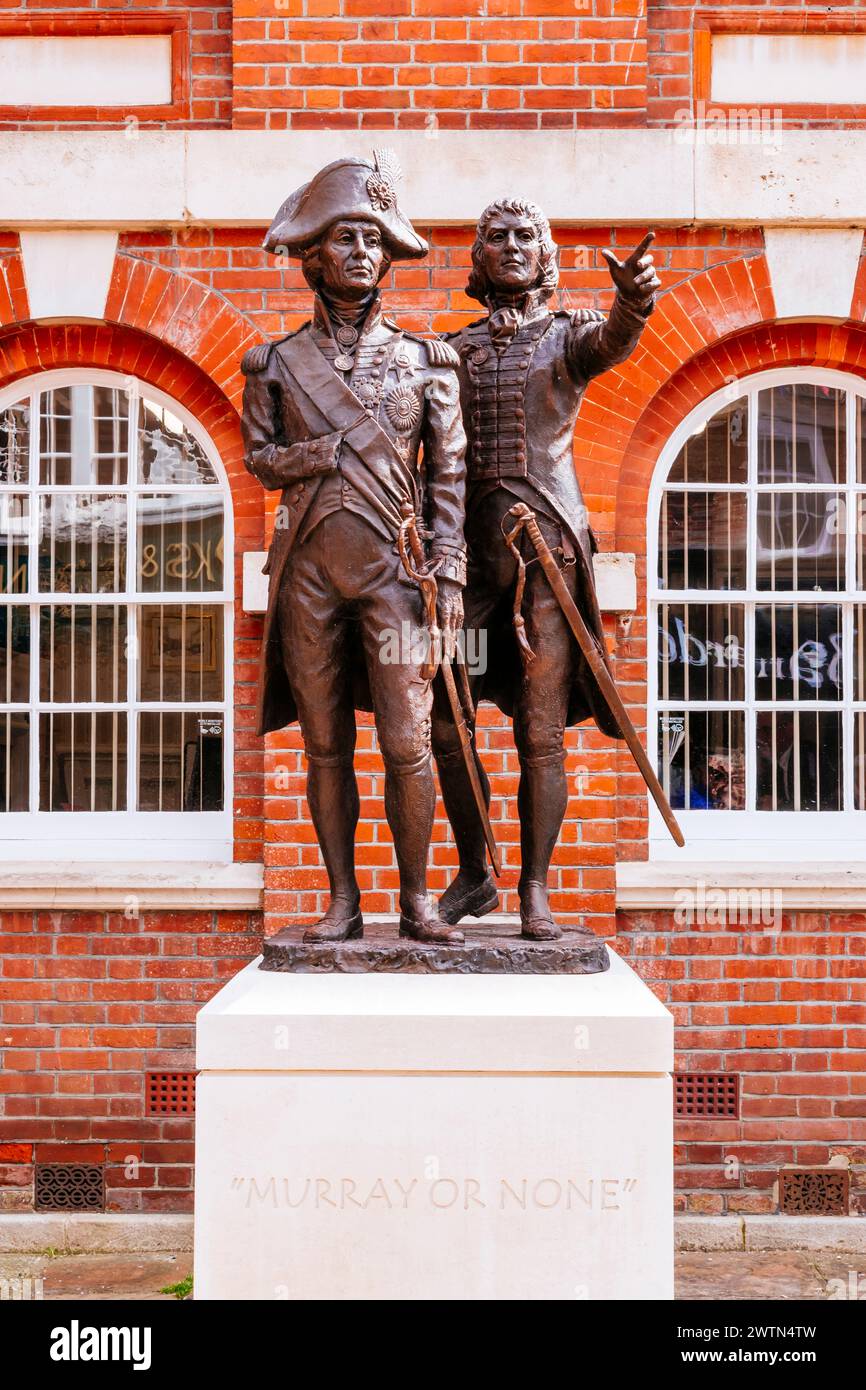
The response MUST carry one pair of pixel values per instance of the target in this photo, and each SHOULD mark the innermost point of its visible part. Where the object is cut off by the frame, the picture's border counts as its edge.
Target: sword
(524, 518)
(413, 558)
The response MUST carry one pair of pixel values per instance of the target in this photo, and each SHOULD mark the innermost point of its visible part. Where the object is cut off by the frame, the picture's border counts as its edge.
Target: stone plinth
(408, 1136)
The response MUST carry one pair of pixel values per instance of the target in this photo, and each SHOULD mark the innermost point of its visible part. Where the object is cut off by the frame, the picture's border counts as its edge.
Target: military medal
(480, 356)
(343, 362)
(367, 393)
(403, 408)
(347, 336)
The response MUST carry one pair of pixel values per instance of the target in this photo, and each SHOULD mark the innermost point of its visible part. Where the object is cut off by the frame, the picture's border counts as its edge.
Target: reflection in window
(760, 651)
(112, 668)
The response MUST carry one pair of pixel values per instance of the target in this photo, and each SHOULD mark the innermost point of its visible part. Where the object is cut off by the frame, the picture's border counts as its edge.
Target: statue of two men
(363, 427)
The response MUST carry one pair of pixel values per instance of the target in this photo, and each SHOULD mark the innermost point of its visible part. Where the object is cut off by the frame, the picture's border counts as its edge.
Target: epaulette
(441, 354)
(255, 359)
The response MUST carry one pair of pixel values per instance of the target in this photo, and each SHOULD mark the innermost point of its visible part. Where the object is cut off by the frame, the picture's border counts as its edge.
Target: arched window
(115, 624)
(757, 587)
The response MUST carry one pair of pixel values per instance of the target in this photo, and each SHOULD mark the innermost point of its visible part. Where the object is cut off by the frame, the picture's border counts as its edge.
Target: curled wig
(479, 286)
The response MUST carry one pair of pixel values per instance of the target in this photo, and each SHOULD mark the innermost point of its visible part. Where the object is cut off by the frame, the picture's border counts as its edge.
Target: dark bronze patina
(335, 416)
(523, 373)
(488, 951)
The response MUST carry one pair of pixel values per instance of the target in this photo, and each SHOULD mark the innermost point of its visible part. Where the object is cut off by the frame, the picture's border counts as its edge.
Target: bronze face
(351, 256)
(511, 252)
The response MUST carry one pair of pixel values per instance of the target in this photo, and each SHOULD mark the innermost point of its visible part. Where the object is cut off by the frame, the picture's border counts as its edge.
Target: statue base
(403, 1137)
(498, 949)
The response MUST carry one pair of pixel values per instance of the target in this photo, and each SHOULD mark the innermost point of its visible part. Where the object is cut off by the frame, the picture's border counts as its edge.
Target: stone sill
(804, 887)
(143, 887)
(84, 1233)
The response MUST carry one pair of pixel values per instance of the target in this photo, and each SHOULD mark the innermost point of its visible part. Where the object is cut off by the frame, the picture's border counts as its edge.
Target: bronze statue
(335, 416)
(523, 372)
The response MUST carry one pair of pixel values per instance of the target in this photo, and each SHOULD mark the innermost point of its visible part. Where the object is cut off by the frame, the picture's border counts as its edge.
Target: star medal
(367, 393)
(403, 408)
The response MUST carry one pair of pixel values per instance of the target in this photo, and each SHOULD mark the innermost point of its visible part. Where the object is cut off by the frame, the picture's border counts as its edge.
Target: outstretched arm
(595, 347)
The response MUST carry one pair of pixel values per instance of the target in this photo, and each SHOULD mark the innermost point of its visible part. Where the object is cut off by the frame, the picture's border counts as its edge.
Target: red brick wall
(416, 64)
(786, 1010)
(90, 1002)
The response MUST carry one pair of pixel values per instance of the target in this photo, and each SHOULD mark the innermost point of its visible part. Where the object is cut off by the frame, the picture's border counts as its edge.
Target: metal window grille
(115, 595)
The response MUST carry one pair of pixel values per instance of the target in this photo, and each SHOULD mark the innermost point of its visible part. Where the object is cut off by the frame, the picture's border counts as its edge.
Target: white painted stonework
(144, 178)
(255, 599)
(68, 273)
(421, 1137)
(781, 69)
(813, 270)
(615, 581)
(115, 887)
(122, 70)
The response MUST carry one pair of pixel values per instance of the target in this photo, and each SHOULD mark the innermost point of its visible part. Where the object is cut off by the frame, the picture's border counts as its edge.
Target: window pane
(167, 452)
(14, 540)
(799, 760)
(111, 431)
(801, 434)
(82, 653)
(14, 762)
(83, 435)
(180, 761)
(701, 651)
(181, 652)
(717, 453)
(14, 654)
(702, 540)
(798, 652)
(82, 761)
(801, 540)
(180, 543)
(82, 547)
(15, 443)
(702, 760)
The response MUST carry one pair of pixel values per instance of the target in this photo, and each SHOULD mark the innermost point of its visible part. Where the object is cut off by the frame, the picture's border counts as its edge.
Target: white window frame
(130, 835)
(754, 836)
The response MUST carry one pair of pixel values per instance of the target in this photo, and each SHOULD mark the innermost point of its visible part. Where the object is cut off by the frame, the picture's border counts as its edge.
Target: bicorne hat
(347, 188)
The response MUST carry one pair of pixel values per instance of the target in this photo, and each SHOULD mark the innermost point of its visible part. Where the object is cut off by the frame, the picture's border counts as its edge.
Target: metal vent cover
(69, 1187)
(170, 1093)
(707, 1095)
(813, 1191)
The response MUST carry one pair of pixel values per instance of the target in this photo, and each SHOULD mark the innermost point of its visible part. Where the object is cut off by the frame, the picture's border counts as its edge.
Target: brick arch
(757, 349)
(688, 319)
(184, 314)
(30, 348)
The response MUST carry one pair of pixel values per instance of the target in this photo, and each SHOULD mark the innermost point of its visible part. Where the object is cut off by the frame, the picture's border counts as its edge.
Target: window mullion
(750, 732)
(133, 627)
(33, 595)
